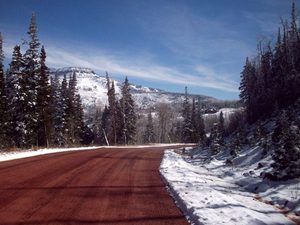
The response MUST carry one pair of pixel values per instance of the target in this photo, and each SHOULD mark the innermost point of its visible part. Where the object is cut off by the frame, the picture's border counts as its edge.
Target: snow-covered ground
(5, 156)
(211, 193)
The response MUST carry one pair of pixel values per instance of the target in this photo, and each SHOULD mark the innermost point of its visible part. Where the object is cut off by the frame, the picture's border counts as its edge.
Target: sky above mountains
(166, 44)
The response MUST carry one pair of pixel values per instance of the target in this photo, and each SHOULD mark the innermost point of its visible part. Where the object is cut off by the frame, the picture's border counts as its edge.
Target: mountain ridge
(93, 91)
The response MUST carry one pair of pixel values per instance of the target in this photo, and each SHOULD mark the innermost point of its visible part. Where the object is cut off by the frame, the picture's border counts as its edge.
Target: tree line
(37, 110)
(116, 124)
(271, 80)
(270, 88)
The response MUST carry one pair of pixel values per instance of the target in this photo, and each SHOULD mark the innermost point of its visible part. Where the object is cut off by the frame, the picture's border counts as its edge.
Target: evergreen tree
(149, 135)
(272, 80)
(3, 102)
(187, 124)
(43, 99)
(72, 112)
(31, 71)
(105, 125)
(57, 112)
(200, 125)
(214, 138)
(113, 115)
(194, 124)
(128, 116)
(286, 155)
(82, 132)
(221, 126)
(97, 127)
(64, 106)
(16, 94)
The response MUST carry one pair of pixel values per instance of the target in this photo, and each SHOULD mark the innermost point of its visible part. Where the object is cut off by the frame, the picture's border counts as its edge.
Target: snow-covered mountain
(93, 91)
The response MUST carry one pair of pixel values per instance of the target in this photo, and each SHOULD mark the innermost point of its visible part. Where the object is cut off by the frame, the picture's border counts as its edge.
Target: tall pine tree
(31, 72)
(16, 94)
(187, 124)
(44, 125)
(3, 101)
(149, 135)
(128, 116)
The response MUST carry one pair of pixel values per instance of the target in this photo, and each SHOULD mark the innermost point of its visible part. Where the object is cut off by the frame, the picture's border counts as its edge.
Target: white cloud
(200, 76)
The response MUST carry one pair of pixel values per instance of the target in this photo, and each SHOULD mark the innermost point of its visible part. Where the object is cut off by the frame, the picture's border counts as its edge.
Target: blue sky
(167, 44)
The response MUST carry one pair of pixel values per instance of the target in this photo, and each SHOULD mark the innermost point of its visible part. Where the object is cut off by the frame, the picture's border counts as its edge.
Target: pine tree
(82, 133)
(105, 126)
(3, 102)
(43, 98)
(16, 96)
(248, 90)
(214, 140)
(149, 135)
(97, 127)
(71, 110)
(31, 71)
(64, 104)
(286, 155)
(221, 127)
(128, 116)
(187, 124)
(57, 112)
(200, 124)
(195, 124)
(113, 115)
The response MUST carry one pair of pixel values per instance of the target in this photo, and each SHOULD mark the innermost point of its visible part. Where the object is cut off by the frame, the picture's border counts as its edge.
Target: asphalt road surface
(105, 186)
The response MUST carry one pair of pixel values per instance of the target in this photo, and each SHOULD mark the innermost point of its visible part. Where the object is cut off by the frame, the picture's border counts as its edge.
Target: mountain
(92, 89)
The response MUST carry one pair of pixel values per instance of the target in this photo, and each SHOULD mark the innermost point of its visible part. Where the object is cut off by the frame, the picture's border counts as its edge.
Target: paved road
(105, 186)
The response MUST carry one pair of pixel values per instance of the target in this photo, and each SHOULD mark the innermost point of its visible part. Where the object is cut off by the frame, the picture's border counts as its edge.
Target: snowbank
(209, 193)
(5, 156)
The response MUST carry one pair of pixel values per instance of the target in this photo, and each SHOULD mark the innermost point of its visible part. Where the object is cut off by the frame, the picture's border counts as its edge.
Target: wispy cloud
(201, 76)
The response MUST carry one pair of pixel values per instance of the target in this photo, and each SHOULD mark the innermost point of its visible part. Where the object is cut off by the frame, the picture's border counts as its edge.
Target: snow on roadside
(5, 156)
(209, 196)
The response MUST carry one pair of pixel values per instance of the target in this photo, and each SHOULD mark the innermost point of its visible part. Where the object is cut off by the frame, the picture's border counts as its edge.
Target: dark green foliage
(112, 129)
(187, 127)
(149, 135)
(104, 126)
(30, 73)
(97, 127)
(16, 99)
(271, 81)
(43, 99)
(57, 113)
(215, 146)
(34, 112)
(128, 116)
(3, 102)
(286, 139)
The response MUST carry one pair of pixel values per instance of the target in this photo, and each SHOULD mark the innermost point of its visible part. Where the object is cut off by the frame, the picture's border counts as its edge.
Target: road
(105, 186)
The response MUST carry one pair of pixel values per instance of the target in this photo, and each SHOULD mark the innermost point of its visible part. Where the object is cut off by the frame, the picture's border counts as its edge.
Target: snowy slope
(213, 193)
(92, 88)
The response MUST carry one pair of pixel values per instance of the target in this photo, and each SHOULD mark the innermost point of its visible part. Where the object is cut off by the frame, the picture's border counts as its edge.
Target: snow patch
(208, 193)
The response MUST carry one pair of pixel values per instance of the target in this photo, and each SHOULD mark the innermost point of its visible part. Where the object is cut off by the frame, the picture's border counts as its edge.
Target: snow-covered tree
(113, 115)
(128, 115)
(187, 123)
(44, 125)
(149, 135)
(31, 72)
(3, 102)
(63, 102)
(57, 113)
(286, 155)
(16, 95)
